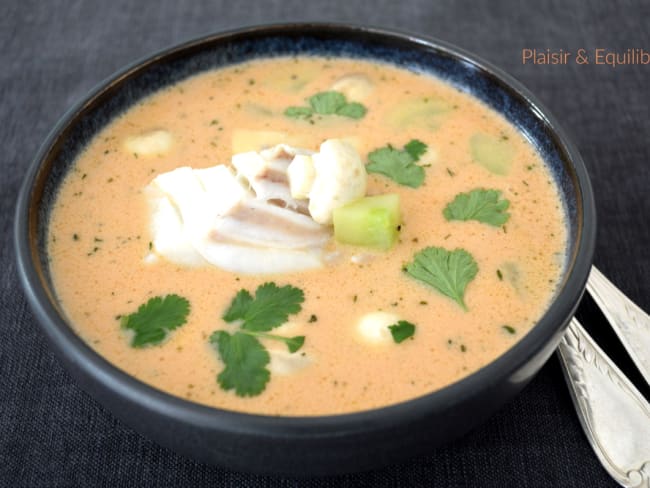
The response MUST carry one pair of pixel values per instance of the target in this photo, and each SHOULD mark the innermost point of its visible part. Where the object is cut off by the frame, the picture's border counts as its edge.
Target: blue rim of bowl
(550, 325)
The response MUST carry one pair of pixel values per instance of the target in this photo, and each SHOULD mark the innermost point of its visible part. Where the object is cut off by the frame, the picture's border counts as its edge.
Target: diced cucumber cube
(426, 112)
(368, 221)
(493, 153)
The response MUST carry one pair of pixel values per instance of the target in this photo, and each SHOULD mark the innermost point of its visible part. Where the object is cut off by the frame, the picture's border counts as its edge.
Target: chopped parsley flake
(509, 329)
(401, 331)
(415, 148)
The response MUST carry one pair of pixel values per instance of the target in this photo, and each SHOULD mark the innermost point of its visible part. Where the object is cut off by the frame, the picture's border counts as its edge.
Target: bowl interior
(496, 89)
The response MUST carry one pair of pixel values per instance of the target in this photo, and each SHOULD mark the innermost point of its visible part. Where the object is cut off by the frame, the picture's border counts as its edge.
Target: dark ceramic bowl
(304, 445)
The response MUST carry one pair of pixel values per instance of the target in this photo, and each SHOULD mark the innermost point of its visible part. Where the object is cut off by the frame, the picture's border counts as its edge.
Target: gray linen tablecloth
(53, 434)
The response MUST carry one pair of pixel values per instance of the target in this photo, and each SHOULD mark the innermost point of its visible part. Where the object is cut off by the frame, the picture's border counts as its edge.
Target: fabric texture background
(53, 434)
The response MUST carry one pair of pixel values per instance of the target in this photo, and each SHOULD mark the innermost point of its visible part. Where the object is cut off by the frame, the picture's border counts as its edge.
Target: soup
(413, 273)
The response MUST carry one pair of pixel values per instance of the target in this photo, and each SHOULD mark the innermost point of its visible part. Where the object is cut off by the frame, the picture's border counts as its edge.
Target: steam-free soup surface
(99, 237)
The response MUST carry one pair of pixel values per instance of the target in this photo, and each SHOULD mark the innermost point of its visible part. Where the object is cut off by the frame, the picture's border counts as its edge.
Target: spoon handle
(613, 414)
(631, 324)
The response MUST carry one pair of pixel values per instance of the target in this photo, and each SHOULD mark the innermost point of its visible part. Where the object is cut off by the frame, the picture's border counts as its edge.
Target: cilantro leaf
(270, 308)
(415, 148)
(155, 319)
(352, 110)
(401, 331)
(482, 205)
(299, 112)
(399, 165)
(243, 354)
(294, 343)
(449, 272)
(239, 306)
(327, 102)
(245, 359)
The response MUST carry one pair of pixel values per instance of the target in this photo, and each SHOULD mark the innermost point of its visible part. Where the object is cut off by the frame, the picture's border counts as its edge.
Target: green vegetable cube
(369, 221)
(493, 153)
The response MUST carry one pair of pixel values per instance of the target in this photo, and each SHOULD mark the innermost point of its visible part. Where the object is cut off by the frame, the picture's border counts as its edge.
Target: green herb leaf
(327, 103)
(482, 205)
(245, 359)
(399, 165)
(155, 319)
(238, 307)
(509, 329)
(352, 110)
(401, 331)
(270, 308)
(243, 354)
(415, 148)
(294, 343)
(449, 272)
(299, 112)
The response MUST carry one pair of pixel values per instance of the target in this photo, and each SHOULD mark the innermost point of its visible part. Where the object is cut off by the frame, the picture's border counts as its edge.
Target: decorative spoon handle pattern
(631, 324)
(613, 414)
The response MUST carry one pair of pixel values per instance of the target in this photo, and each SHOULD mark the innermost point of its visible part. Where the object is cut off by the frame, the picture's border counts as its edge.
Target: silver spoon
(613, 414)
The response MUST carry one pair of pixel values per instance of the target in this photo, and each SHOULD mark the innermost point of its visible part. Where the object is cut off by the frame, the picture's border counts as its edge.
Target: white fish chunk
(286, 363)
(198, 196)
(356, 87)
(340, 178)
(301, 174)
(268, 179)
(238, 258)
(282, 361)
(373, 327)
(169, 238)
(260, 224)
(266, 174)
(212, 216)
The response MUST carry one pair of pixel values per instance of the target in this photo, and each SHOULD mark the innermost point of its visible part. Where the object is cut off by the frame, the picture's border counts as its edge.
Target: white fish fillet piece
(169, 238)
(301, 174)
(340, 178)
(260, 224)
(207, 216)
(266, 173)
(257, 260)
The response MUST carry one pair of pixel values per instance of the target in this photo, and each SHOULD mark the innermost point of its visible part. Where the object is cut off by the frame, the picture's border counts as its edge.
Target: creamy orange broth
(99, 235)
